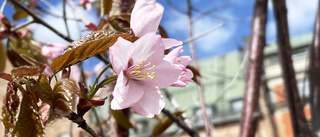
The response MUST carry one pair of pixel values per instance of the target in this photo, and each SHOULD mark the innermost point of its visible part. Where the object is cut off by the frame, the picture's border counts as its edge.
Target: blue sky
(301, 16)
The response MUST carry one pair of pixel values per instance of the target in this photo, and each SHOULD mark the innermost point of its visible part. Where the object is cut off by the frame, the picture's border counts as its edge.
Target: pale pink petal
(186, 76)
(75, 73)
(126, 93)
(98, 68)
(48, 71)
(145, 17)
(165, 74)
(120, 54)
(168, 43)
(183, 60)
(171, 57)
(150, 47)
(151, 103)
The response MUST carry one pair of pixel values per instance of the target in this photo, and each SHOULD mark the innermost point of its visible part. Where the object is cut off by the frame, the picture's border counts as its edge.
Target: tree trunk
(314, 75)
(298, 120)
(253, 78)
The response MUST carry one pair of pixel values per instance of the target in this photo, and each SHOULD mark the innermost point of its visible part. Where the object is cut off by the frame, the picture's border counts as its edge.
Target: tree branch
(207, 121)
(81, 123)
(248, 124)
(314, 76)
(299, 123)
(38, 20)
(180, 123)
(204, 34)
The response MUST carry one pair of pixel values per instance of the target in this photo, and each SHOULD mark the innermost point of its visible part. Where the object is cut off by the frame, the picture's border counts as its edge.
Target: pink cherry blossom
(141, 71)
(52, 50)
(145, 18)
(182, 61)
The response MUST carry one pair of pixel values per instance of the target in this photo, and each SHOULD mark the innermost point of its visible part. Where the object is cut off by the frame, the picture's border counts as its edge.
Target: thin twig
(23, 25)
(176, 8)
(98, 121)
(2, 7)
(226, 5)
(56, 15)
(215, 16)
(204, 34)
(65, 17)
(180, 123)
(207, 121)
(75, 118)
(233, 81)
(38, 20)
(176, 106)
(74, 7)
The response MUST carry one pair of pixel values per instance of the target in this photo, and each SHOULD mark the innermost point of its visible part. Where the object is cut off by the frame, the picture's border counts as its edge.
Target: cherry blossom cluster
(142, 67)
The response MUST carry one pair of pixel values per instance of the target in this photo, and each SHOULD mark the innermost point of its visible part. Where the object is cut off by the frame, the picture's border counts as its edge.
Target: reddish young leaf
(6, 76)
(120, 22)
(3, 57)
(27, 71)
(10, 107)
(29, 122)
(24, 46)
(86, 47)
(44, 90)
(63, 103)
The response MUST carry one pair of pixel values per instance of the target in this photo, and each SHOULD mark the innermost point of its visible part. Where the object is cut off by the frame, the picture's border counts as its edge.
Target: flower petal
(120, 54)
(151, 103)
(166, 74)
(168, 43)
(149, 46)
(185, 76)
(145, 17)
(126, 93)
(171, 57)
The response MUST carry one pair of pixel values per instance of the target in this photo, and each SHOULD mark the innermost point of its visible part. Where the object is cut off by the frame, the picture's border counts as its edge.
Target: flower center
(141, 71)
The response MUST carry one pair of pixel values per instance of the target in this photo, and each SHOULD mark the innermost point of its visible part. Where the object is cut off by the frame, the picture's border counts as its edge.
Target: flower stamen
(141, 71)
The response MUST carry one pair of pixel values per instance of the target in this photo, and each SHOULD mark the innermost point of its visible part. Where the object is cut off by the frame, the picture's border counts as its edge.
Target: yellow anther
(153, 66)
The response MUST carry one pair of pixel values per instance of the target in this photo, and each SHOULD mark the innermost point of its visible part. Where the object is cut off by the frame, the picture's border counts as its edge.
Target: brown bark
(299, 123)
(248, 123)
(314, 75)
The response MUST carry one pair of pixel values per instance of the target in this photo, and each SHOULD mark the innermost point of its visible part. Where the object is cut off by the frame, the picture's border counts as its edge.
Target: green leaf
(19, 14)
(121, 119)
(3, 57)
(65, 92)
(165, 123)
(86, 47)
(29, 122)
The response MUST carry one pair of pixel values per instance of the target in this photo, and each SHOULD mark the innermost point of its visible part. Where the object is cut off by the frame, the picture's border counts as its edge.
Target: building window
(236, 105)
